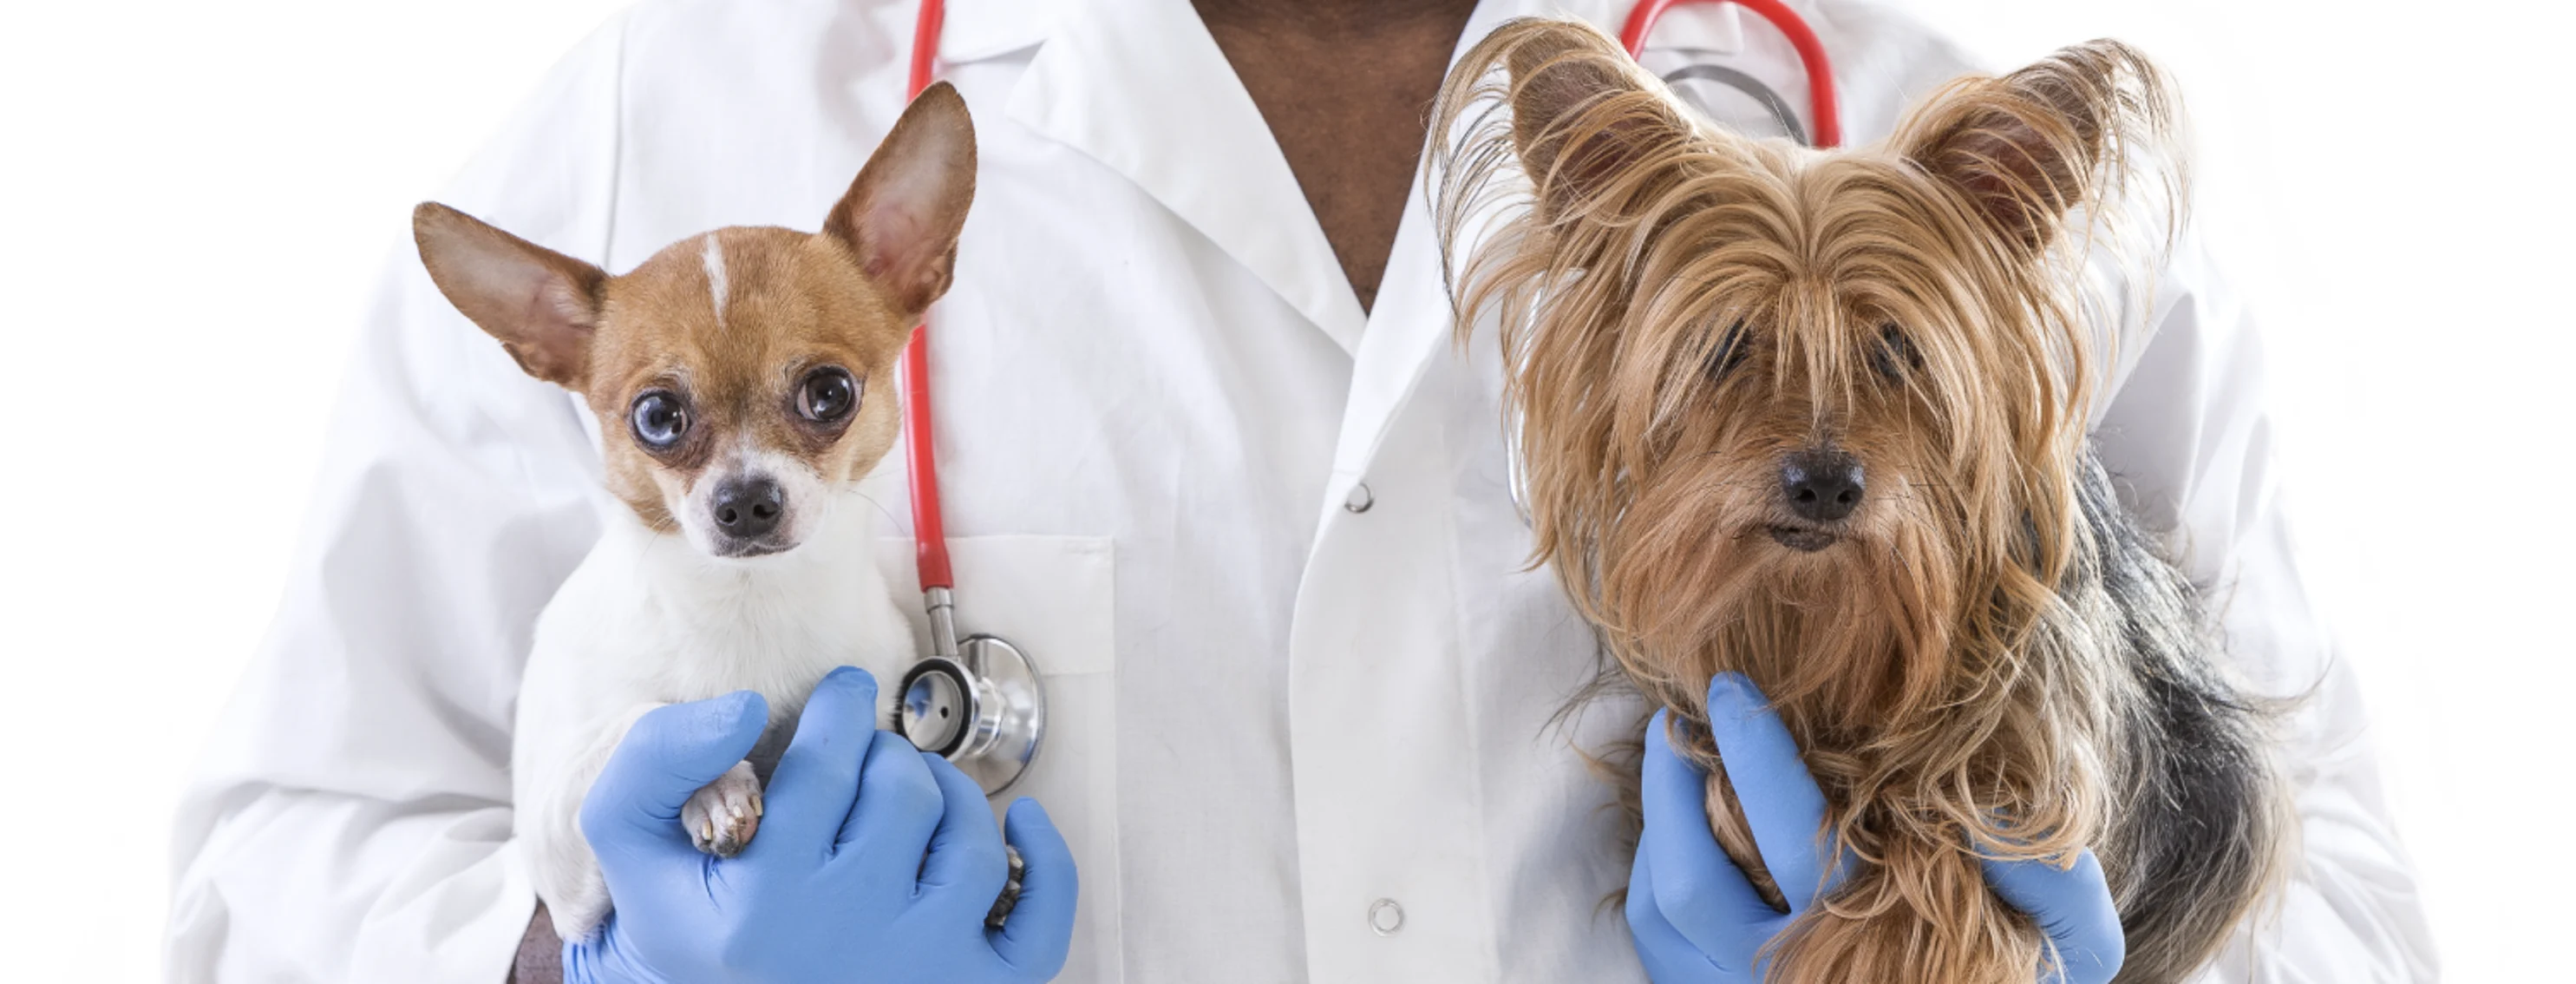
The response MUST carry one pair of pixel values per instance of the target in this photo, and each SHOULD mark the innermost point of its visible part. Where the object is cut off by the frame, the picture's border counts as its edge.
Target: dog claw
(722, 816)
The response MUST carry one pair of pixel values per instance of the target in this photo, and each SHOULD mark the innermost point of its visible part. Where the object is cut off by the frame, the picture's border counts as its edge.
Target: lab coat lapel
(978, 29)
(1411, 322)
(1142, 87)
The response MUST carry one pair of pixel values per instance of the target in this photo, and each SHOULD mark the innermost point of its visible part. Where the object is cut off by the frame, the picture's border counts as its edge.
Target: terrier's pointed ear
(2025, 149)
(542, 305)
(1586, 121)
(903, 212)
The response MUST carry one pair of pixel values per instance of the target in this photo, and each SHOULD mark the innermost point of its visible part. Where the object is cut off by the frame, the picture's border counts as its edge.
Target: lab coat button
(1359, 502)
(1385, 917)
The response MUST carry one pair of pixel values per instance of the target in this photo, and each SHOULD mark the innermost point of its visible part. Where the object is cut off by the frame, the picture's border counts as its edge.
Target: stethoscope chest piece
(979, 705)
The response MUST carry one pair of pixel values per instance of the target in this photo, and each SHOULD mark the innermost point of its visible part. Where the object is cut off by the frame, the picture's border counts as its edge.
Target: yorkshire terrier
(1820, 418)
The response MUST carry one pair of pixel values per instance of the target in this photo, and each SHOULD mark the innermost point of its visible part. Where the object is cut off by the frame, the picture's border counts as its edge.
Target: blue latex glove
(1698, 919)
(874, 861)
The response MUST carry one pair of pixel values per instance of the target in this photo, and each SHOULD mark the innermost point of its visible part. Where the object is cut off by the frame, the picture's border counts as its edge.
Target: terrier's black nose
(748, 507)
(1821, 484)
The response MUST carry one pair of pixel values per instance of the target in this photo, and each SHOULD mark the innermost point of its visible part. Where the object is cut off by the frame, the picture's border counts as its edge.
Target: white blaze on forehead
(716, 287)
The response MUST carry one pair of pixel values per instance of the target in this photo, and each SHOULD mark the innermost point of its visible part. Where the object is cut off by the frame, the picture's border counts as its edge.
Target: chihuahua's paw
(722, 816)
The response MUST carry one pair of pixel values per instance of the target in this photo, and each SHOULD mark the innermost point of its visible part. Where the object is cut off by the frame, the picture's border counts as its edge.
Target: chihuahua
(742, 382)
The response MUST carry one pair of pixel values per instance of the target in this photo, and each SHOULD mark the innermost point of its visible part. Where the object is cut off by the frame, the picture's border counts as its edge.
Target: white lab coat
(1161, 413)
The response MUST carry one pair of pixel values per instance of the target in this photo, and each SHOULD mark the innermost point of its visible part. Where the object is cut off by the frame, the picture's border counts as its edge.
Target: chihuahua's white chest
(648, 620)
(647, 617)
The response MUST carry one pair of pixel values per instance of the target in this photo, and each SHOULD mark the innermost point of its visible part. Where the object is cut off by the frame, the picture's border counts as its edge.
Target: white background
(194, 198)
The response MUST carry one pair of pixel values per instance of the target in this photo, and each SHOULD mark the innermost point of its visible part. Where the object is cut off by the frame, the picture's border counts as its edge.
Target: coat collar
(1142, 87)
(975, 30)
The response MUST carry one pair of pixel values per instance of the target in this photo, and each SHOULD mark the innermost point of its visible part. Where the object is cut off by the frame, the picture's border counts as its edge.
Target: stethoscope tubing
(930, 534)
(977, 701)
(1821, 104)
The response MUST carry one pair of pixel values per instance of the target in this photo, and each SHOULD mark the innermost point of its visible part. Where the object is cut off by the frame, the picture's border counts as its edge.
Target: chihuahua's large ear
(2025, 149)
(1593, 132)
(902, 214)
(541, 304)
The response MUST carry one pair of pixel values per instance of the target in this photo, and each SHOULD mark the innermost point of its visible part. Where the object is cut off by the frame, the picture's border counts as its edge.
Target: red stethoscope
(978, 701)
(1821, 107)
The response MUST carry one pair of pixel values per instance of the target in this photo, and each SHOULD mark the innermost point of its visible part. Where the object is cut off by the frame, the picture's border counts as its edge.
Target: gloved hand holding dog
(875, 861)
(1698, 919)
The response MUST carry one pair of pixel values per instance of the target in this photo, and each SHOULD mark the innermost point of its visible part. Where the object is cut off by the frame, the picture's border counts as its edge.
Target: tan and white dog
(744, 382)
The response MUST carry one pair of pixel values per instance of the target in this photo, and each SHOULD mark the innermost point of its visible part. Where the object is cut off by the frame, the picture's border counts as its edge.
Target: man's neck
(1352, 16)
(1345, 86)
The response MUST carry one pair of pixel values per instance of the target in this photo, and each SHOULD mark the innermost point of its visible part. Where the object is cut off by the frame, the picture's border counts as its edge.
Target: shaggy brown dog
(1818, 417)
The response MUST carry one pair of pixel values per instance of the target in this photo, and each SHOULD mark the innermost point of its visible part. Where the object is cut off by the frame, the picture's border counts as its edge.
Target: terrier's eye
(1895, 355)
(1730, 353)
(827, 395)
(659, 419)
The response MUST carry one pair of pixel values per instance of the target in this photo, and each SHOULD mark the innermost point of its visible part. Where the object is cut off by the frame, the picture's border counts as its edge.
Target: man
(1208, 454)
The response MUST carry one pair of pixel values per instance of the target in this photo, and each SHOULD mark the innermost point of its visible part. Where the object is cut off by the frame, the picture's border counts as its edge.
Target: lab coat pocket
(1053, 598)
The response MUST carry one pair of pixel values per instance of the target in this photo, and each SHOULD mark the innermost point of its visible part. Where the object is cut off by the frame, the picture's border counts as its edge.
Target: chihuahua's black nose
(1821, 484)
(748, 507)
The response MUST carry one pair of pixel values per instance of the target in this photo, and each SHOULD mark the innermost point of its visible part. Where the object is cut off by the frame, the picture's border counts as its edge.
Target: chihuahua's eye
(659, 419)
(1895, 355)
(1730, 353)
(828, 395)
